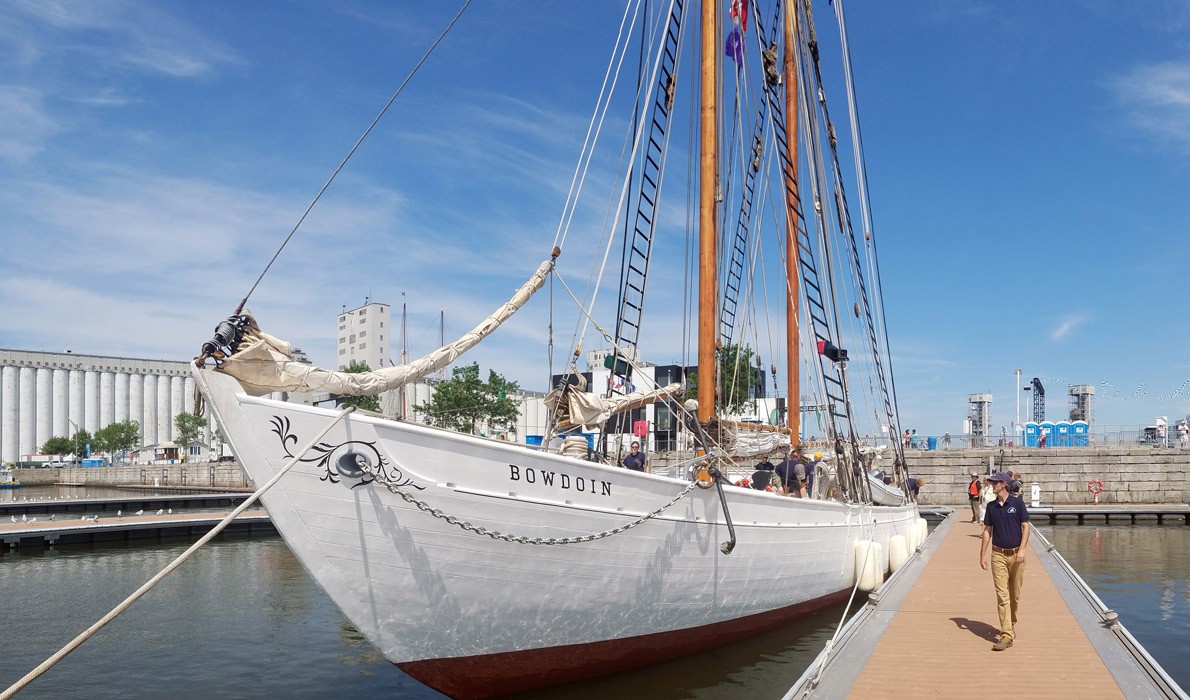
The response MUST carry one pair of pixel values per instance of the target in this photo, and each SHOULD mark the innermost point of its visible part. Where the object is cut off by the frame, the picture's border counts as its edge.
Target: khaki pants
(975, 509)
(1007, 574)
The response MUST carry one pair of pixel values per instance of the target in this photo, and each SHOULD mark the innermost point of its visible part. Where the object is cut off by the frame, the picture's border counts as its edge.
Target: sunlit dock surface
(929, 630)
(40, 531)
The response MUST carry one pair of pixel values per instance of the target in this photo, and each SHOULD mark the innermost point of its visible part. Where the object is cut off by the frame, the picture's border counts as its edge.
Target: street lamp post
(1017, 425)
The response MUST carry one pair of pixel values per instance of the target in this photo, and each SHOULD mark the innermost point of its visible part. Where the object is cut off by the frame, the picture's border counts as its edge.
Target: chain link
(393, 487)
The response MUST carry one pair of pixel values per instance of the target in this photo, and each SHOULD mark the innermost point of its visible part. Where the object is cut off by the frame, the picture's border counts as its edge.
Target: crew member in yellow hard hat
(811, 469)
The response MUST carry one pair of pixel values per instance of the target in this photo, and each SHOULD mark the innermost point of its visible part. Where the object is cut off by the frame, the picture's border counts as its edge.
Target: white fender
(869, 564)
(898, 552)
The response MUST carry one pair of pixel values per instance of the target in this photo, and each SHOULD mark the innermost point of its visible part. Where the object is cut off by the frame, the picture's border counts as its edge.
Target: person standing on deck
(762, 476)
(1006, 529)
(634, 459)
(973, 490)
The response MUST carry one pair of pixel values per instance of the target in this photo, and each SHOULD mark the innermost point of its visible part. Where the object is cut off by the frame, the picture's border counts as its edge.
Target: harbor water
(243, 619)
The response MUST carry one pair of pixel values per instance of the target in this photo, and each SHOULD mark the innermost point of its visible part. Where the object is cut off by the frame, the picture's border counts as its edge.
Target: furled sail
(264, 364)
(576, 407)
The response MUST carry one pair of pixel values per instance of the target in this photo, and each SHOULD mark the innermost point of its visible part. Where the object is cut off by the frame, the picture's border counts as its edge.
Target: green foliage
(367, 403)
(465, 403)
(189, 427)
(736, 379)
(79, 443)
(58, 446)
(117, 437)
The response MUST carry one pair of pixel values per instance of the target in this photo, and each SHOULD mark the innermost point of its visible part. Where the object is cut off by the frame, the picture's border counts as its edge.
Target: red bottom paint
(492, 675)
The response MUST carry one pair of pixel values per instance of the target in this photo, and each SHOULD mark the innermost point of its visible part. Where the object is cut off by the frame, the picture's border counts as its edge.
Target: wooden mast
(707, 190)
(792, 268)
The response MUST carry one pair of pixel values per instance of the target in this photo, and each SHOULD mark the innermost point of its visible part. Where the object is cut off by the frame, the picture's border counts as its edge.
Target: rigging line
(589, 141)
(350, 153)
(862, 173)
(588, 152)
(847, 236)
(660, 167)
(632, 158)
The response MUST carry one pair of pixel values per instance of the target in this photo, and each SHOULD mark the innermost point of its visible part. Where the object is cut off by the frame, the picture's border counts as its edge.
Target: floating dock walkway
(63, 506)
(928, 632)
(1119, 511)
(73, 529)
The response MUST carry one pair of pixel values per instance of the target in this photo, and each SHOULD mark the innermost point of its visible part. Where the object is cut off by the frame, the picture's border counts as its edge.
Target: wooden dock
(72, 529)
(929, 631)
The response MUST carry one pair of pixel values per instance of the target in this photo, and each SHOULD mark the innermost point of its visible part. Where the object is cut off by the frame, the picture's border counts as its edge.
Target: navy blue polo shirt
(1005, 519)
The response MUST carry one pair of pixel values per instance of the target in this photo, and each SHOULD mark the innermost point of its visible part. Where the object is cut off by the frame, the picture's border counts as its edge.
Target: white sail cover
(264, 364)
(741, 440)
(591, 411)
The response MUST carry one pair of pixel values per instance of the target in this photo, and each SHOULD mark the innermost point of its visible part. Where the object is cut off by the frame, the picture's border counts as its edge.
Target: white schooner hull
(475, 616)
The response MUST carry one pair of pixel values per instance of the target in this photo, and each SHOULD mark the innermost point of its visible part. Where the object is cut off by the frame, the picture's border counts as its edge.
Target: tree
(58, 446)
(80, 441)
(367, 403)
(736, 375)
(117, 438)
(188, 427)
(464, 402)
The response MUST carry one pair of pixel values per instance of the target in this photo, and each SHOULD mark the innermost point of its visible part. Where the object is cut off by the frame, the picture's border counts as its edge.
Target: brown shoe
(1001, 644)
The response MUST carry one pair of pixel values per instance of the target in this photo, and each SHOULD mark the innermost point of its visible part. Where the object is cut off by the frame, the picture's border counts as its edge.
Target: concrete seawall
(1129, 474)
(194, 474)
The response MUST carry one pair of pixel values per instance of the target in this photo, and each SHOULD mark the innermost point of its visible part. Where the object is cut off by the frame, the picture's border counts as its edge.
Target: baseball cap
(999, 476)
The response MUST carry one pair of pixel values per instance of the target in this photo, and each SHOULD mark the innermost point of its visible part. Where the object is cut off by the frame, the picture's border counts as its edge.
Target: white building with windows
(365, 335)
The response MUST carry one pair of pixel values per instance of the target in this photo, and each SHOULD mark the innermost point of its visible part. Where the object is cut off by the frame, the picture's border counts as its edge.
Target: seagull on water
(24, 518)
(141, 511)
(52, 517)
(14, 518)
(32, 520)
(119, 513)
(170, 511)
(160, 511)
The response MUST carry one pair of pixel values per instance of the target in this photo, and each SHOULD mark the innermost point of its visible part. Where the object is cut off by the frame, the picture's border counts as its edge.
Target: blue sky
(1029, 166)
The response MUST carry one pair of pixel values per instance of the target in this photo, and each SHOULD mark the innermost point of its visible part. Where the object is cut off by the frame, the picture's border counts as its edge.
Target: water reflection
(1142, 572)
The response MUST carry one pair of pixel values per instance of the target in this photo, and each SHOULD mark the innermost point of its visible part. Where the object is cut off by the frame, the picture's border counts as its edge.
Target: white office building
(365, 335)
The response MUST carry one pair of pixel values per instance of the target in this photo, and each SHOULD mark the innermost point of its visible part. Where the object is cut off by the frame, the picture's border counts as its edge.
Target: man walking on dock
(1006, 529)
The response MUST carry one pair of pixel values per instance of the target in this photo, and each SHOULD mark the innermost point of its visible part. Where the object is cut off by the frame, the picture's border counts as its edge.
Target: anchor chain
(522, 539)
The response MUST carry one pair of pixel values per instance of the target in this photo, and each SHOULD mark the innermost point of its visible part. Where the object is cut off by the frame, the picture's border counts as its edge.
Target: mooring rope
(115, 612)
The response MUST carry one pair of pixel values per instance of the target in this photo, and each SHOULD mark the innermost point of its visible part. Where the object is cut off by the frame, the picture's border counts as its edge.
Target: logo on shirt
(1011, 509)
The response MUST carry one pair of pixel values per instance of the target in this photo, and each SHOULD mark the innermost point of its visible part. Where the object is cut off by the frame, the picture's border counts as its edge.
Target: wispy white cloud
(1156, 98)
(1067, 326)
(24, 123)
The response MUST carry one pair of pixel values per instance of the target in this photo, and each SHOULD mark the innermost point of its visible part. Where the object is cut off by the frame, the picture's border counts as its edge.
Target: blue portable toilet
(1047, 429)
(932, 442)
(1079, 432)
(1032, 431)
(1063, 430)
